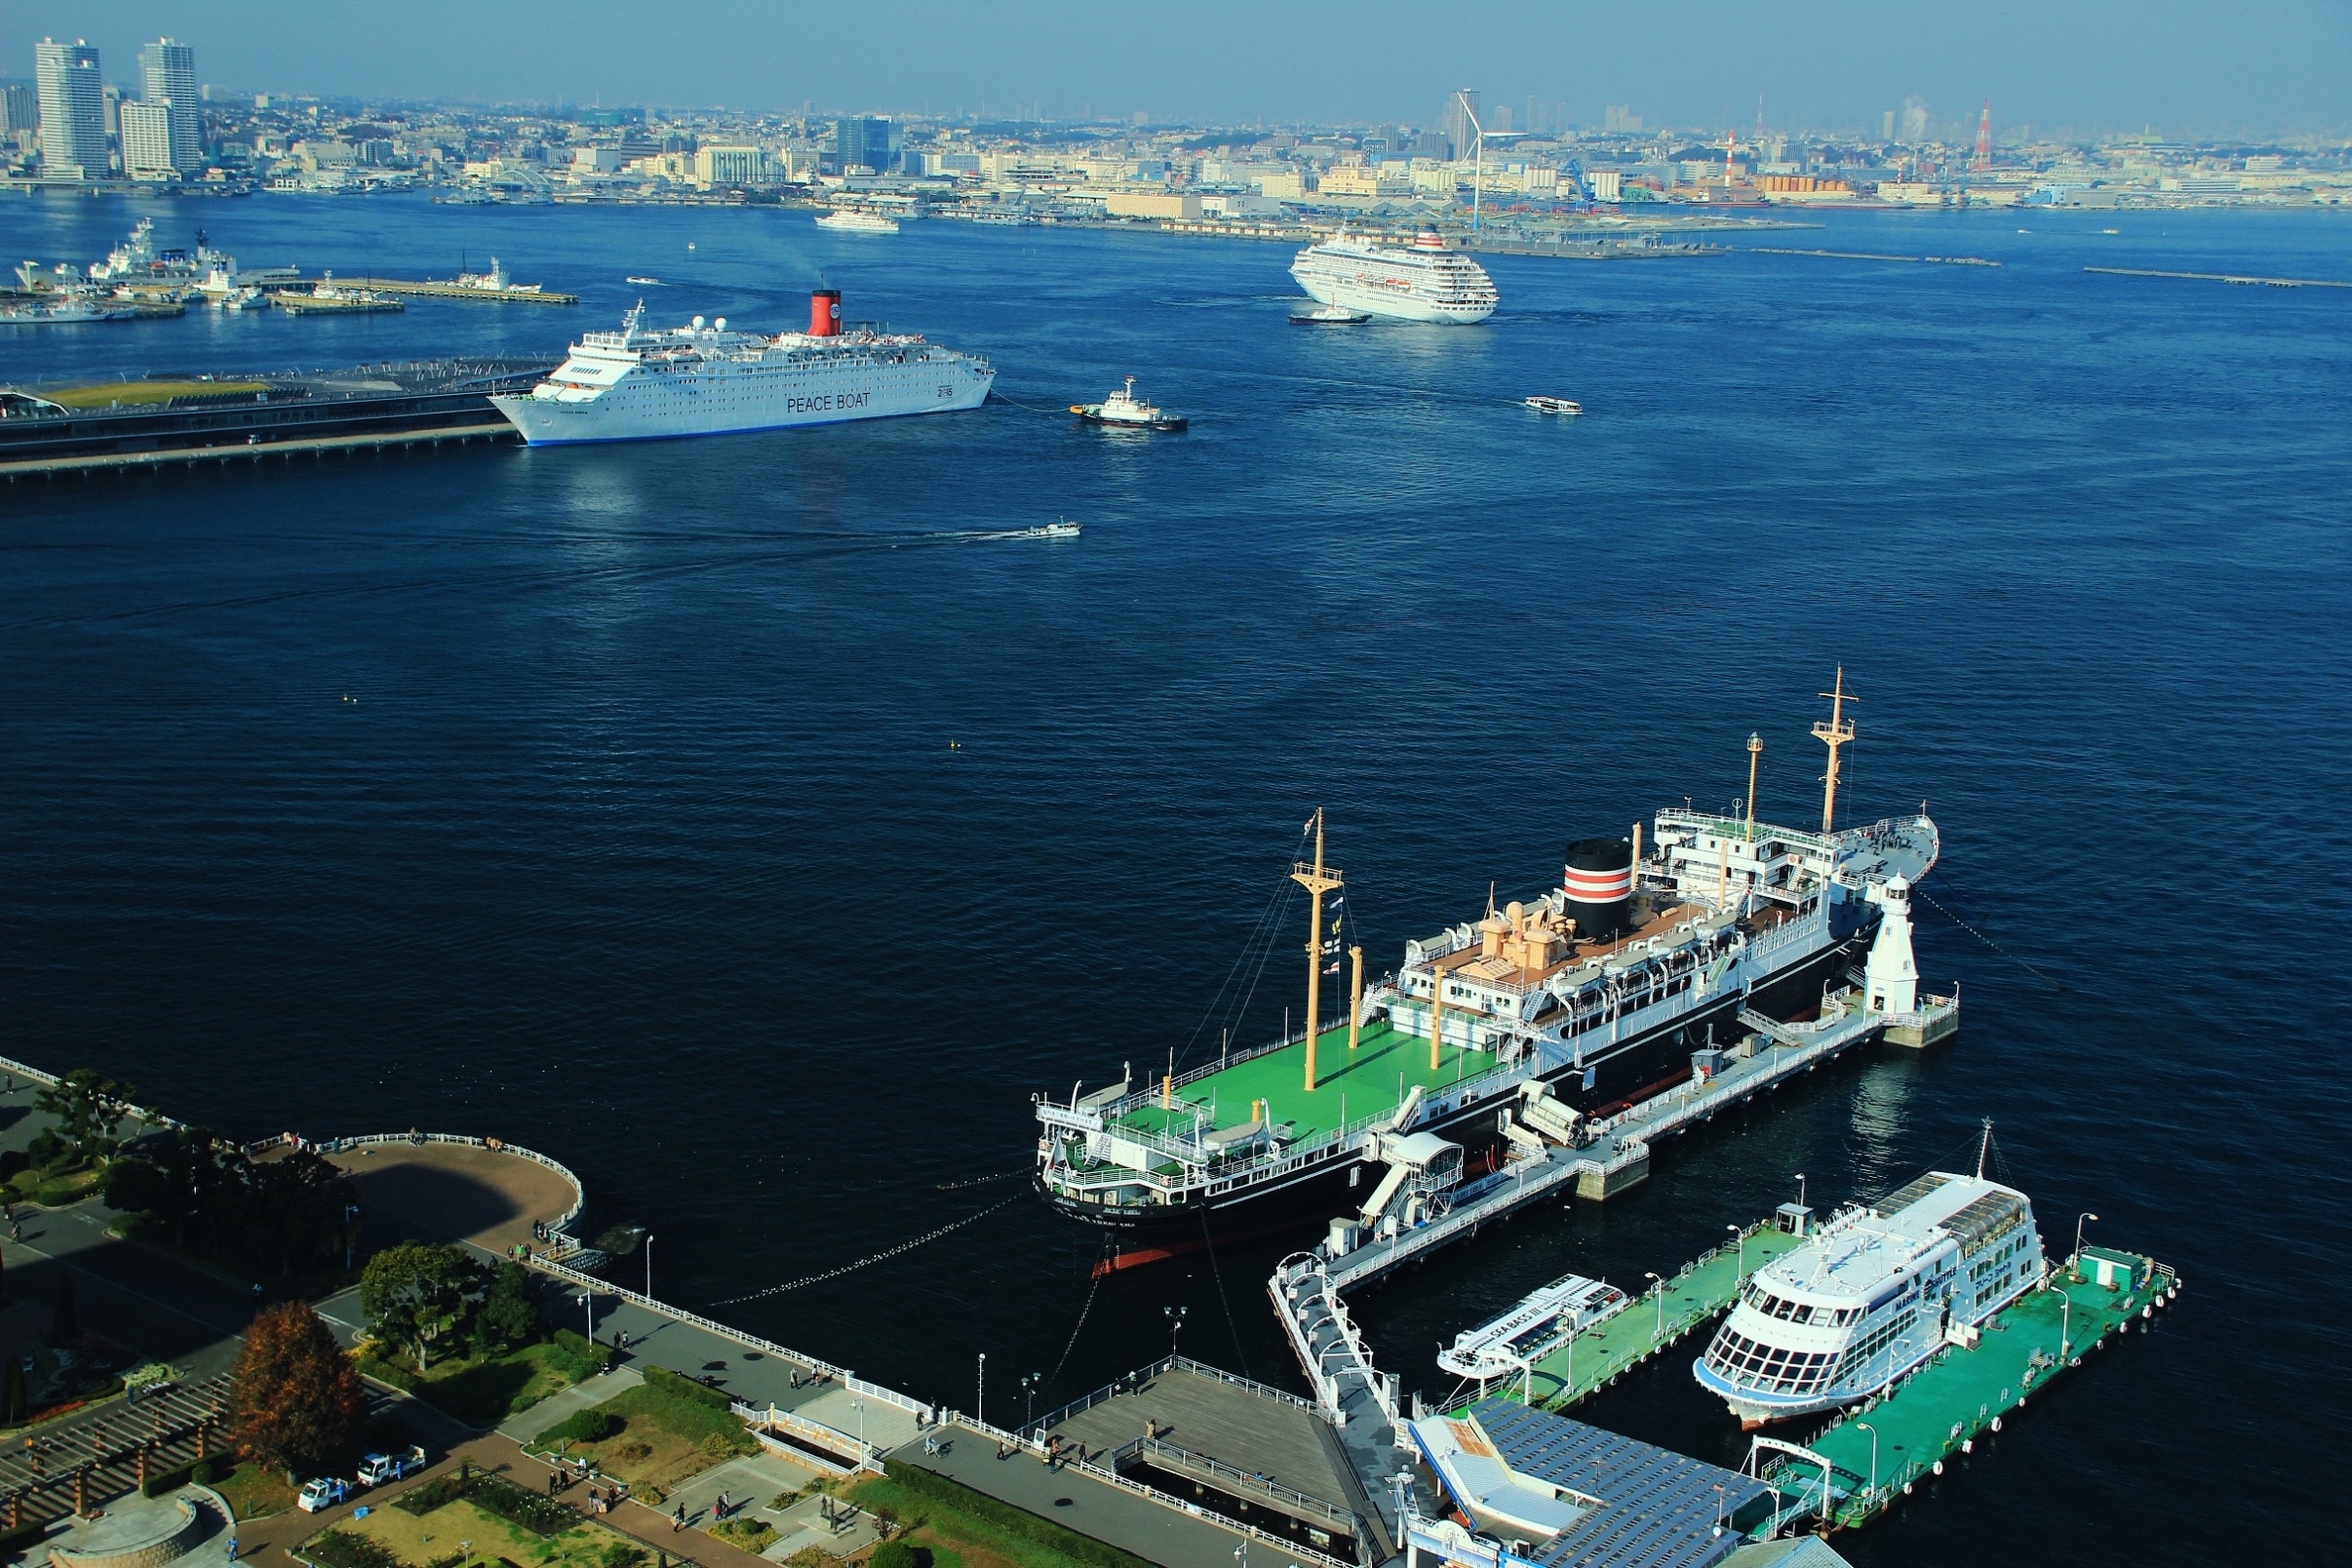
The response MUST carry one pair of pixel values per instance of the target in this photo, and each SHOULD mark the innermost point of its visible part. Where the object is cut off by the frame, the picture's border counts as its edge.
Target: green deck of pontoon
(1957, 1395)
(1350, 1086)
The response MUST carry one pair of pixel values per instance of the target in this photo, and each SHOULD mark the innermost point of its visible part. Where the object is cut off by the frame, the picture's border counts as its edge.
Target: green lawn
(481, 1392)
(665, 1437)
(954, 1539)
(128, 393)
(1373, 1079)
(256, 1493)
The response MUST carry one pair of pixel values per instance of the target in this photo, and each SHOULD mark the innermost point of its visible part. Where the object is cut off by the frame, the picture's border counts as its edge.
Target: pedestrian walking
(679, 1523)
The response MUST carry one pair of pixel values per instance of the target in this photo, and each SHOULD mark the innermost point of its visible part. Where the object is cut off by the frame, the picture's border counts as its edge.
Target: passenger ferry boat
(1872, 1295)
(1502, 1029)
(1515, 1339)
(850, 220)
(702, 379)
(1425, 282)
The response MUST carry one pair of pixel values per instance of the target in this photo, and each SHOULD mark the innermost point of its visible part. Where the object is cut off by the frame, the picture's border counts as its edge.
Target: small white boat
(1545, 405)
(1124, 409)
(1063, 530)
(850, 220)
(655, 282)
(244, 298)
(1330, 316)
(64, 312)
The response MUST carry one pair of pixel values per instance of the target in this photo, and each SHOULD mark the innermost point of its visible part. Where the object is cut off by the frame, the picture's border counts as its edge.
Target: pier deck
(1649, 1324)
(1962, 1392)
(1350, 1085)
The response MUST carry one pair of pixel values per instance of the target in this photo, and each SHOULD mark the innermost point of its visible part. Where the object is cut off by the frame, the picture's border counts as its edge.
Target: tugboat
(1330, 316)
(1126, 412)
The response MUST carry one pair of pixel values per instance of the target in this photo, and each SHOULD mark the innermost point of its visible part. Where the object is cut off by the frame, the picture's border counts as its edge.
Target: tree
(510, 1308)
(64, 1323)
(210, 1197)
(89, 1106)
(414, 1294)
(298, 1404)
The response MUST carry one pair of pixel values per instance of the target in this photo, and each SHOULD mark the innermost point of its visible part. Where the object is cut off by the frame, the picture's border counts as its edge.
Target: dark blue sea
(718, 818)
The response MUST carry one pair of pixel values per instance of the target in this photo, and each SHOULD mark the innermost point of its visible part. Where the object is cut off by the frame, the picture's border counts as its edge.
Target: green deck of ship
(1350, 1085)
(1644, 1327)
(1959, 1394)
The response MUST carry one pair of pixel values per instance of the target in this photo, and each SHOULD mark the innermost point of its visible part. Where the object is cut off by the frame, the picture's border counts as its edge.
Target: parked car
(377, 1469)
(322, 1494)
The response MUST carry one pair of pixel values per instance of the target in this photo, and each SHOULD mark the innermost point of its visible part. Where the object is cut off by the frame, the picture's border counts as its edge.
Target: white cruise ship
(702, 379)
(1871, 1296)
(1425, 282)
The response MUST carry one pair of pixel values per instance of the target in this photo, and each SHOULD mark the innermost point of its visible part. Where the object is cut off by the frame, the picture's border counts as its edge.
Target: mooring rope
(1098, 1271)
(879, 1257)
(980, 1181)
(1218, 1274)
(1990, 942)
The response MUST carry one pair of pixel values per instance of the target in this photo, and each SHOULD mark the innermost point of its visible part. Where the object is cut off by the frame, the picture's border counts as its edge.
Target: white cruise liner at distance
(1871, 1296)
(702, 379)
(1424, 281)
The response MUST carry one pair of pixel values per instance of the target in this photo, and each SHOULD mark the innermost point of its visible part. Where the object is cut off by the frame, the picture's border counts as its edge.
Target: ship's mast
(1755, 749)
(1318, 879)
(1834, 734)
(1985, 1149)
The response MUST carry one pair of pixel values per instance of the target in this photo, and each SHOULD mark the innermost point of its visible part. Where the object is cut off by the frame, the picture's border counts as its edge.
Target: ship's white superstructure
(703, 380)
(1423, 282)
(1871, 1296)
(852, 221)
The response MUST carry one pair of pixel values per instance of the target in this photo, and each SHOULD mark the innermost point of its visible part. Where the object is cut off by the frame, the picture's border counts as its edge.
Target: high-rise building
(1460, 118)
(1914, 119)
(871, 144)
(19, 110)
(1886, 126)
(168, 76)
(148, 141)
(1620, 119)
(73, 110)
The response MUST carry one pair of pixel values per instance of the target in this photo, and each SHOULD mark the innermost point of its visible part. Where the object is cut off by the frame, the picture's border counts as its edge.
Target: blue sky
(2181, 66)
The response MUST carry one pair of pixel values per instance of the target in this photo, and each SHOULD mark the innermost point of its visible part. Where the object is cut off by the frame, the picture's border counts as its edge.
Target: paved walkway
(525, 1424)
(1093, 1507)
(458, 1191)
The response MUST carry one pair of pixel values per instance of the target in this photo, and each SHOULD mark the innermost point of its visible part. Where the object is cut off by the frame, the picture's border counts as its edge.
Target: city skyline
(2184, 68)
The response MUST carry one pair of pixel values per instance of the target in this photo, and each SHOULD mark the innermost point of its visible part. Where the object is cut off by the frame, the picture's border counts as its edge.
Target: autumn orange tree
(299, 1403)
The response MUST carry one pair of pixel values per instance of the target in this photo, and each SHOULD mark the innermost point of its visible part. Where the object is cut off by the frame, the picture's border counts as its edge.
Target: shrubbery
(340, 1548)
(589, 1426)
(686, 1388)
(1004, 1517)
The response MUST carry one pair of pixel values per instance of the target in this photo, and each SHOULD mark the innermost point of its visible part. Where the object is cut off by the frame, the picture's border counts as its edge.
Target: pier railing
(1166, 1364)
(1298, 1504)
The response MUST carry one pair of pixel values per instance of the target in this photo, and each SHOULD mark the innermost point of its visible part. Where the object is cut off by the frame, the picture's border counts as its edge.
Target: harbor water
(735, 821)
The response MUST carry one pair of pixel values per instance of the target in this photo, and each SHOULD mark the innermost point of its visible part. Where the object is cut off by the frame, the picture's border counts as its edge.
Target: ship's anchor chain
(1987, 940)
(879, 1257)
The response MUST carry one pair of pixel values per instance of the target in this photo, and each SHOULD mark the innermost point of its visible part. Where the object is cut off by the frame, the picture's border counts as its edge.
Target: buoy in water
(1940, 1467)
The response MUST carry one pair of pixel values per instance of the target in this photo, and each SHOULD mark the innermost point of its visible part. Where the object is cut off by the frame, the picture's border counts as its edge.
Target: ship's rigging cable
(1218, 1274)
(879, 1257)
(1098, 1271)
(1270, 919)
(1989, 941)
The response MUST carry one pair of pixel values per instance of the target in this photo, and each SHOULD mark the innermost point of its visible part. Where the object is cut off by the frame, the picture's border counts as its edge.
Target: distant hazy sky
(2182, 65)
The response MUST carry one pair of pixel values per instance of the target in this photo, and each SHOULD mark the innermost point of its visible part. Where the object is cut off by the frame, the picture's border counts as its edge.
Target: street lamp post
(2078, 1234)
(1659, 1333)
(649, 1266)
(1175, 1317)
(2065, 1324)
(1874, 1431)
(1029, 1388)
(588, 1303)
(980, 1399)
(859, 1405)
(1739, 1269)
(350, 1232)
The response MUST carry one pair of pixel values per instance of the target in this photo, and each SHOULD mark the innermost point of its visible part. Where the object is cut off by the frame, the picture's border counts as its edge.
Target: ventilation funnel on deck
(1599, 884)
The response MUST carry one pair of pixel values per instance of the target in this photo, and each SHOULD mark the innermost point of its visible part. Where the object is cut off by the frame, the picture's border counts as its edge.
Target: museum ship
(1612, 986)
(702, 379)
(1422, 282)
